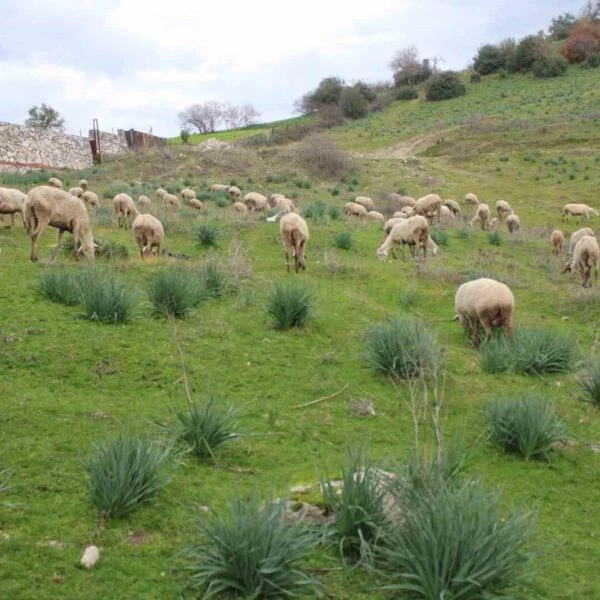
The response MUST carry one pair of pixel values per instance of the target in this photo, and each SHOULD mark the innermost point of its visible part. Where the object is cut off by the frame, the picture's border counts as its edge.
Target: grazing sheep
(218, 187)
(513, 223)
(494, 224)
(284, 205)
(256, 202)
(373, 215)
(412, 232)
(294, 235)
(445, 213)
(585, 256)
(90, 199)
(576, 236)
(83, 184)
(484, 302)
(187, 194)
(471, 199)
(240, 207)
(148, 233)
(160, 194)
(428, 206)
(366, 202)
(399, 215)
(13, 201)
(355, 210)
(195, 203)
(482, 216)
(454, 206)
(387, 227)
(234, 193)
(47, 205)
(408, 210)
(172, 200)
(432, 246)
(125, 209)
(401, 201)
(272, 199)
(144, 202)
(503, 208)
(578, 210)
(557, 239)
(55, 182)
(76, 191)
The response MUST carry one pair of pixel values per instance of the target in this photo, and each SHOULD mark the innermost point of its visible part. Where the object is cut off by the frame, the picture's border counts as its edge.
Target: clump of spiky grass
(334, 212)
(113, 250)
(343, 240)
(403, 348)
(590, 383)
(464, 233)
(106, 299)
(316, 210)
(409, 297)
(213, 279)
(496, 355)
(526, 425)
(290, 304)
(439, 236)
(207, 235)
(203, 428)
(175, 291)
(495, 238)
(250, 553)
(61, 286)
(125, 472)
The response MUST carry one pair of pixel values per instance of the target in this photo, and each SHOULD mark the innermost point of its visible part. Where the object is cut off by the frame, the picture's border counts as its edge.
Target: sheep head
(382, 254)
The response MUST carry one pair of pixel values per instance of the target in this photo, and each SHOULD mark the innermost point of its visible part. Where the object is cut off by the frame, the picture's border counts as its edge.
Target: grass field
(68, 382)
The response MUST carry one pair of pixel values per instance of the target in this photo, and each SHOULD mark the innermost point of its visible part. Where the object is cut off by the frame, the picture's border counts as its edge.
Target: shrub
(334, 212)
(316, 210)
(406, 93)
(61, 286)
(185, 137)
(496, 355)
(113, 250)
(465, 233)
(527, 425)
(592, 61)
(353, 104)
(495, 238)
(175, 291)
(548, 67)
(289, 304)
(475, 77)
(489, 59)
(213, 279)
(409, 297)
(590, 382)
(125, 472)
(445, 85)
(343, 240)
(527, 51)
(252, 553)
(106, 299)
(321, 155)
(402, 348)
(439, 236)
(583, 41)
(206, 235)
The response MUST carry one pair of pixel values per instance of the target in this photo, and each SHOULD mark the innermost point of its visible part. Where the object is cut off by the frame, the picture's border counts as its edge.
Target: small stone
(56, 544)
(300, 489)
(90, 557)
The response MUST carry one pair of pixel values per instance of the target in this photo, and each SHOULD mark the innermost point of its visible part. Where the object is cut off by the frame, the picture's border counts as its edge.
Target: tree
(353, 104)
(561, 26)
(489, 59)
(329, 91)
(44, 117)
(408, 69)
(239, 116)
(204, 117)
(528, 50)
(445, 85)
(583, 41)
(591, 11)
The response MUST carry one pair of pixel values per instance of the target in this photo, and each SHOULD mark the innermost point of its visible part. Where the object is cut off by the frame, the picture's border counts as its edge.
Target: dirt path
(407, 147)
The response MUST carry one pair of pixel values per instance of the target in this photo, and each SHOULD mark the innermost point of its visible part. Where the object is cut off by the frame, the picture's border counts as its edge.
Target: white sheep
(90, 199)
(76, 191)
(256, 202)
(484, 302)
(366, 202)
(160, 194)
(144, 202)
(399, 215)
(428, 206)
(387, 227)
(172, 200)
(503, 208)
(471, 199)
(47, 205)
(355, 210)
(284, 205)
(234, 193)
(578, 210)
(432, 246)
(55, 182)
(272, 199)
(125, 209)
(482, 216)
(195, 203)
(401, 201)
(13, 201)
(412, 232)
(148, 233)
(373, 215)
(408, 210)
(585, 256)
(218, 187)
(494, 224)
(188, 194)
(454, 206)
(445, 213)
(240, 207)
(576, 236)
(557, 239)
(83, 184)
(513, 223)
(294, 235)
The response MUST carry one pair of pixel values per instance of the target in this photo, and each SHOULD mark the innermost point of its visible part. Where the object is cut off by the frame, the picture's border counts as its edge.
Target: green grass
(175, 291)
(62, 286)
(290, 304)
(106, 299)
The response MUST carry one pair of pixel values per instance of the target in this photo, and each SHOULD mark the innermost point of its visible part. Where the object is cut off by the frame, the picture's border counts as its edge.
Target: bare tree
(591, 10)
(405, 58)
(204, 117)
(408, 69)
(239, 116)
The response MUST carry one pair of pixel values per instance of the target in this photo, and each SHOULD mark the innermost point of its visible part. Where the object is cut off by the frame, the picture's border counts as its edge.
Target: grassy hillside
(68, 382)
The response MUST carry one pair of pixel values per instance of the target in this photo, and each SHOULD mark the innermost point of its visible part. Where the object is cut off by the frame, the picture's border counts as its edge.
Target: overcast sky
(137, 63)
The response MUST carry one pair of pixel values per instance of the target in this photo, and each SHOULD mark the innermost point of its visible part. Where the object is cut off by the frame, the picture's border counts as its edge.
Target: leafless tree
(405, 58)
(239, 116)
(204, 117)
(591, 10)
(408, 68)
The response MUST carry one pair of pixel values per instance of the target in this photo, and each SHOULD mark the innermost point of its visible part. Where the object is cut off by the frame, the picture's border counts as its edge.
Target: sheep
(240, 207)
(144, 202)
(445, 213)
(234, 193)
(399, 215)
(557, 239)
(513, 223)
(401, 201)
(148, 233)
(454, 206)
(413, 231)
(90, 199)
(494, 224)
(373, 215)
(432, 246)
(76, 191)
(272, 199)
(578, 210)
(195, 204)
(387, 227)
(482, 216)
(218, 187)
(503, 208)
(256, 202)
(83, 184)
(284, 205)
(355, 210)
(408, 210)
(172, 200)
(55, 182)
(13, 201)
(576, 236)
(484, 302)
(585, 256)
(294, 235)
(366, 202)
(428, 206)
(160, 194)
(125, 208)
(187, 194)
(48, 205)
(471, 199)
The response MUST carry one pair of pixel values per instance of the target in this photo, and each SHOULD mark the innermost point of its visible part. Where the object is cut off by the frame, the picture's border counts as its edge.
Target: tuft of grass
(106, 299)
(496, 355)
(409, 298)
(334, 212)
(251, 553)
(495, 238)
(403, 348)
(290, 304)
(343, 240)
(439, 236)
(213, 279)
(125, 472)
(203, 427)
(61, 286)
(316, 210)
(527, 425)
(590, 383)
(465, 233)
(175, 291)
(207, 235)
(113, 250)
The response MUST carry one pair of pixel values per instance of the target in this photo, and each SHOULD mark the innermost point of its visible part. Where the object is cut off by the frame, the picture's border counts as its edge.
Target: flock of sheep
(483, 302)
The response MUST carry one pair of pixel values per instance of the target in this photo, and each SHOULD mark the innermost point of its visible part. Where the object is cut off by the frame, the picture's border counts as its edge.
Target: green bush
(252, 553)
(343, 240)
(527, 51)
(403, 348)
(61, 286)
(112, 250)
(316, 210)
(495, 238)
(175, 291)
(547, 67)
(496, 355)
(289, 304)
(591, 62)
(444, 86)
(489, 59)
(106, 299)
(125, 472)
(526, 426)
(206, 234)
(406, 93)
(439, 236)
(353, 104)
(213, 279)
(590, 382)
(334, 212)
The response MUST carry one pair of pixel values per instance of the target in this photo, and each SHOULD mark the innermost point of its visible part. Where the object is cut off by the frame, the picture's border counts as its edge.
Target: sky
(138, 63)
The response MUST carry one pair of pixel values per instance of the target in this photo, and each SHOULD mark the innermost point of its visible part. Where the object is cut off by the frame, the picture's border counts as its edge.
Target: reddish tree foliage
(583, 41)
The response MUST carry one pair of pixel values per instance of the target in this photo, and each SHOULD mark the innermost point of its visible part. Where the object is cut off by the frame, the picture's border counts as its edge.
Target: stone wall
(111, 143)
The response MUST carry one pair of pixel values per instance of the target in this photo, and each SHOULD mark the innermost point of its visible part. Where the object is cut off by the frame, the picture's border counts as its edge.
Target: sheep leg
(58, 243)
(300, 256)
(287, 256)
(40, 227)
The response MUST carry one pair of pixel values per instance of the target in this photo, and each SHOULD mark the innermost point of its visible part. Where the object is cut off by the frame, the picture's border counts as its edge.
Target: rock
(90, 557)
(300, 489)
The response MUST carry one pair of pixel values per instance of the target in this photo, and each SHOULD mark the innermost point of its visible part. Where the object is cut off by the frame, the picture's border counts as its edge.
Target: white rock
(90, 557)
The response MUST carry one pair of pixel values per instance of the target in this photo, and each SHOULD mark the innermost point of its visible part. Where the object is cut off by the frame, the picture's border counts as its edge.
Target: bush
(526, 426)
(527, 51)
(583, 41)
(353, 104)
(444, 86)
(252, 553)
(548, 67)
(495, 238)
(475, 77)
(439, 236)
(289, 304)
(185, 136)
(403, 348)
(112, 250)
(125, 472)
(321, 155)
(61, 286)
(590, 383)
(175, 291)
(316, 210)
(343, 240)
(206, 235)
(592, 62)
(213, 279)
(496, 355)
(406, 93)
(489, 59)
(203, 428)
(334, 212)
(106, 299)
